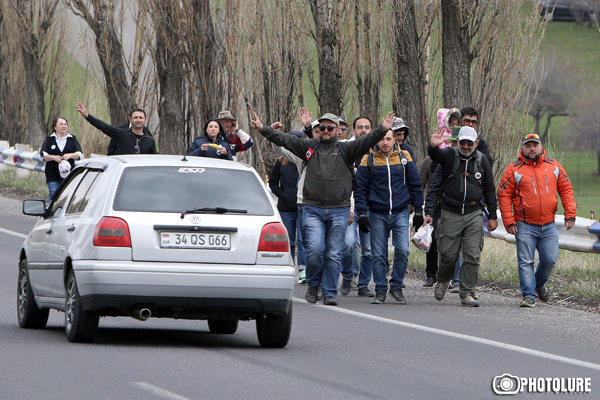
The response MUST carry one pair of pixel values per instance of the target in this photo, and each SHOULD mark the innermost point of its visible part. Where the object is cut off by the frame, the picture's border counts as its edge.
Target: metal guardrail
(22, 159)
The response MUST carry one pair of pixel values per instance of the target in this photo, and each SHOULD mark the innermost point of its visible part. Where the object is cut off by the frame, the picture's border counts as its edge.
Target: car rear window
(177, 189)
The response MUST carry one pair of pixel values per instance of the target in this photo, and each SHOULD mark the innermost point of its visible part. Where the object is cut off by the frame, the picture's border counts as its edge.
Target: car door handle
(71, 228)
(49, 231)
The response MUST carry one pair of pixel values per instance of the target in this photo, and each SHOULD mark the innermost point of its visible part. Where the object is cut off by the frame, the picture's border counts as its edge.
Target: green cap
(454, 136)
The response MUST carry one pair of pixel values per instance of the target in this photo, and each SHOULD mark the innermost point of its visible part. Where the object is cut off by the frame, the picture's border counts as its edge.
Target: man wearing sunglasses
(527, 196)
(467, 182)
(326, 196)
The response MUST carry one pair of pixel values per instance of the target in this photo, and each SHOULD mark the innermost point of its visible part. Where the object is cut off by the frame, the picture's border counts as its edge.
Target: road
(423, 350)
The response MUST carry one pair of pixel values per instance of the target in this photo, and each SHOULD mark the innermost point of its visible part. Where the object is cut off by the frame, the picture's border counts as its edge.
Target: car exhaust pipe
(141, 314)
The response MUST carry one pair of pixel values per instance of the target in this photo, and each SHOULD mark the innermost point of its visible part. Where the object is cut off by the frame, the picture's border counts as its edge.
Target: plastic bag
(64, 168)
(422, 238)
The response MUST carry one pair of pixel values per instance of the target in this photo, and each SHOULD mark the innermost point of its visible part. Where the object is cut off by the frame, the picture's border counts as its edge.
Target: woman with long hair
(212, 144)
(58, 147)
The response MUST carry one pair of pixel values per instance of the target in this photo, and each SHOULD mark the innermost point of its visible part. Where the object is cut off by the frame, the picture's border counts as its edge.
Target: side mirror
(35, 208)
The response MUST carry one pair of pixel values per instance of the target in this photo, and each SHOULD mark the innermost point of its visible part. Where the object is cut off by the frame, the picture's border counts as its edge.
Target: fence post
(22, 172)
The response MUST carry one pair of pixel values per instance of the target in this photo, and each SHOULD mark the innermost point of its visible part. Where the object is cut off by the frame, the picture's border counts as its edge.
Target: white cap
(314, 123)
(468, 133)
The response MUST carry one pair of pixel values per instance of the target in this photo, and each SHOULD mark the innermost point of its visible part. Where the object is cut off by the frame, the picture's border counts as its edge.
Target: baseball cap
(314, 123)
(226, 115)
(454, 136)
(532, 137)
(342, 120)
(399, 124)
(330, 117)
(468, 133)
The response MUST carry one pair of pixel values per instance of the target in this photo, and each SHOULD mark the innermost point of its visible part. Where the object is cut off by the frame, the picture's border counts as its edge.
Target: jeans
(52, 186)
(324, 229)
(366, 261)
(530, 237)
(348, 252)
(300, 240)
(289, 221)
(381, 225)
(456, 278)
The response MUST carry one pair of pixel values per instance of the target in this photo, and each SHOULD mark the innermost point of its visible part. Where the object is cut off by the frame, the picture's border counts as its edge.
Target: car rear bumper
(187, 289)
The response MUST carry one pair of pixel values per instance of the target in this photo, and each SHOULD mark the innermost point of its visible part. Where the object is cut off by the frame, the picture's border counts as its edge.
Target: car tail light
(112, 232)
(274, 237)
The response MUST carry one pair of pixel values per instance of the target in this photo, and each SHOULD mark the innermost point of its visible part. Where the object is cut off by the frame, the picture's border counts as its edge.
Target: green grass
(35, 183)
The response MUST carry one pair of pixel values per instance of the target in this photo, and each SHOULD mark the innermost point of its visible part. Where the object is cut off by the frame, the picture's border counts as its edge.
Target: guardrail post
(22, 172)
(3, 145)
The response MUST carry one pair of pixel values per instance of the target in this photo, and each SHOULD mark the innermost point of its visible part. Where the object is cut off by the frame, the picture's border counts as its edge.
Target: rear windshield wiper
(218, 210)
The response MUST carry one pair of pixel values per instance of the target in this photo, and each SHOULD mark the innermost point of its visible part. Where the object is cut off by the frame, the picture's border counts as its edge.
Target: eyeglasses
(344, 128)
(531, 136)
(466, 142)
(363, 126)
(469, 121)
(329, 128)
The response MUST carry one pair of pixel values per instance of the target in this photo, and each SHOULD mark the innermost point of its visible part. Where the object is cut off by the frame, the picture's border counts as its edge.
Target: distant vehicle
(158, 236)
(565, 10)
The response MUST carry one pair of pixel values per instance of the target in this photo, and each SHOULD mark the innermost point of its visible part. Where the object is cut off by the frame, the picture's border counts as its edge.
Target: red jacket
(528, 189)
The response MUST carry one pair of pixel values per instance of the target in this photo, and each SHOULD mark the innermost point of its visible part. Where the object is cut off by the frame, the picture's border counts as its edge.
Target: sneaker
(365, 292)
(542, 294)
(439, 291)
(302, 277)
(469, 301)
(354, 283)
(455, 288)
(528, 302)
(311, 294)
(396, 293)
(429, 282)
(402, 285)
(379, 298)
(319, 294)
(345, 288)
(330, 301)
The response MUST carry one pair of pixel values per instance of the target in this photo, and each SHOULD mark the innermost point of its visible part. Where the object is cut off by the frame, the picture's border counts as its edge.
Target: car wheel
(80, 325)
(225, 326)
(28, 313)
(274, 330)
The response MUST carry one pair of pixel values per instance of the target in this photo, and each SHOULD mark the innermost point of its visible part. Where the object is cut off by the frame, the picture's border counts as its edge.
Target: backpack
(343, 152)
(477, 167)
(371, 159)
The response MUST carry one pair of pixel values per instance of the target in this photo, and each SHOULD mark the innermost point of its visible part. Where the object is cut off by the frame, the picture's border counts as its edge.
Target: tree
(584, 124)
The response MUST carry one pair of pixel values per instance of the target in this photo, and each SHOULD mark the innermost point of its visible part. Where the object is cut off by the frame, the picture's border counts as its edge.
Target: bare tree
(584, 125)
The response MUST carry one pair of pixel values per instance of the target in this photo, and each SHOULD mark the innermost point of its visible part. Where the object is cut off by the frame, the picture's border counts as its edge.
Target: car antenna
(184, 159)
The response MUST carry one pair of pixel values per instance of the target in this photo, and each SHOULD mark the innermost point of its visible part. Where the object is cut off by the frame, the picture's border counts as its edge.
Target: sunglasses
(136, 148)
(344, 128)
(329, 128)
(466, 142)
(532, 136)
(363, 127)
(470, 121)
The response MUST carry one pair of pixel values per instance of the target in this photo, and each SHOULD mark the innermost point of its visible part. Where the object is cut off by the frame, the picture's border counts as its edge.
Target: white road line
(505, 346)
(13, 233)
(160, 392)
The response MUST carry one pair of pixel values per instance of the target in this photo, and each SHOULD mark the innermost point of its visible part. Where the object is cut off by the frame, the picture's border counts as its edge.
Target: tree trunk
(456, 57)
(330, 79)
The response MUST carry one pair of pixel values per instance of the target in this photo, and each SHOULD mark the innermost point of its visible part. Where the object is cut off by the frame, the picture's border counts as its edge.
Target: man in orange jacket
(527, 197)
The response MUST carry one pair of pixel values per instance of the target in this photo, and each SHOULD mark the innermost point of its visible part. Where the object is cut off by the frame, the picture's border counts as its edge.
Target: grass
(34, 184)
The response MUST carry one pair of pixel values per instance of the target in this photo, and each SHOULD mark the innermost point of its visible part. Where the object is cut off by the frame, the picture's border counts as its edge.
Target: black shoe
(402, 285)
(345, 288)
(429, 282)
(379, 298)
(396, 293)
(365, 292)
(311, 294)
(542, 294)
(330, 301)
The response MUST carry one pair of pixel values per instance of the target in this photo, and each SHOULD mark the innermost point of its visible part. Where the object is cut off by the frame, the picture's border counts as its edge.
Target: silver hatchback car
(158, 236)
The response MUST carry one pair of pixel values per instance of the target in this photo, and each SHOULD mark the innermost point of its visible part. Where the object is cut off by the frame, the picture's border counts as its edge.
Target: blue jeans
(300, 242)
(455, 280)
(289, 221)
(324, 229)
(348, 252)
(381, 225)
(52, 186)
(366, 261)
(530, 237)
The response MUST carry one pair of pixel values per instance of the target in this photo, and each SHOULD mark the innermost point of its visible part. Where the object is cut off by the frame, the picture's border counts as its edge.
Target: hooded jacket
(283, 182)
(527, 191)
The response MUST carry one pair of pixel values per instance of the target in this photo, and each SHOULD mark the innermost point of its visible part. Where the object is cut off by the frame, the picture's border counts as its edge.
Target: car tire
(224, 326)
(274, 330)
(30, 316)
(80, 325)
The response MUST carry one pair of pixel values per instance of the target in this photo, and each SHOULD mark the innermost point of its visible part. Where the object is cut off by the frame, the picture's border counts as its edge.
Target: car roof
(154, 160)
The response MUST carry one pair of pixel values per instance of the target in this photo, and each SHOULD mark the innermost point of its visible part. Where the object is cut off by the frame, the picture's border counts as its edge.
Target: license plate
(185, 240)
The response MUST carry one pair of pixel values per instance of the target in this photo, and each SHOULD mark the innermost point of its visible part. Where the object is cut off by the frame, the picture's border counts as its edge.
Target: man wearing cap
(527, 196)
(401, 132)
(326, 196)
(467, 181)
(238, 139)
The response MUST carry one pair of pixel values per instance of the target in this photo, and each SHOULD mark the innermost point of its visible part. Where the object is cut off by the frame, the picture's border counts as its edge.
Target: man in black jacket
(129, 141)
(326, 196)
(467, 180)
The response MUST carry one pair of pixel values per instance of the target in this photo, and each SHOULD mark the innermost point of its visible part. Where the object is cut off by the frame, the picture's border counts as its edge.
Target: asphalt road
(423, 350)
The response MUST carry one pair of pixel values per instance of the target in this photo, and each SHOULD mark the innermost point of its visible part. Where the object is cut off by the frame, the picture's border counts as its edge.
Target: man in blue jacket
(387, 183)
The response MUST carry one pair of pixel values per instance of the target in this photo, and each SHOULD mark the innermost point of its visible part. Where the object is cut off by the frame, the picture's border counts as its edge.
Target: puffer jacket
(527, 191)
(389, 185)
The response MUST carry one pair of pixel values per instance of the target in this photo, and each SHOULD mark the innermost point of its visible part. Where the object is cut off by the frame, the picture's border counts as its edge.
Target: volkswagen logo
(195, 219)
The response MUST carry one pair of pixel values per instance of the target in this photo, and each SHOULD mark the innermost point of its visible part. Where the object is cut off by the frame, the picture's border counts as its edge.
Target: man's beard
(468, 154)
(533, 157)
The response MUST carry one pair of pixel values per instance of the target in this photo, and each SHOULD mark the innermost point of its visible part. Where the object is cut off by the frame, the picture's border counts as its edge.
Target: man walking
(467, 181)
(326, 196)
(527, 197)
(387, 183)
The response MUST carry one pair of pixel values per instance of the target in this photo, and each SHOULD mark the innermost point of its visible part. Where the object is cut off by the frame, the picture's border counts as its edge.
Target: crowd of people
(342, 192)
